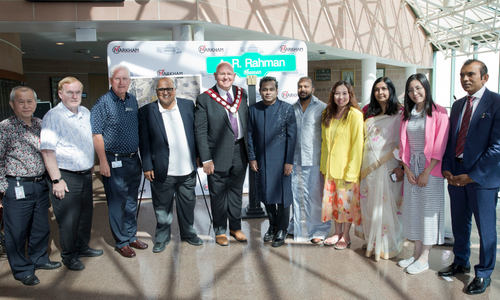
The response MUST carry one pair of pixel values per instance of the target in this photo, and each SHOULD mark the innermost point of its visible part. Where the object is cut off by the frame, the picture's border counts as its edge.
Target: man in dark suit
(471, 165)
(168, 152)
(221, 115)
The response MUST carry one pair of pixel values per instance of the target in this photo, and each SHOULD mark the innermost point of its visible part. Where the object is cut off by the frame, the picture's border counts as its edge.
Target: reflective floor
(251, 270)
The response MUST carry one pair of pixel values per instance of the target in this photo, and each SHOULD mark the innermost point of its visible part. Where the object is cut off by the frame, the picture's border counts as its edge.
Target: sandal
(342, 244)
(331, 241)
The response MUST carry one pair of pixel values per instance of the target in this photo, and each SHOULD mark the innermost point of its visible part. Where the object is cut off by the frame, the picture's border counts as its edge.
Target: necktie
(464, 128)
(232, 119)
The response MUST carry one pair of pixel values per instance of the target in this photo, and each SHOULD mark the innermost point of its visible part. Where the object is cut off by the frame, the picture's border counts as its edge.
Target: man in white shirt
(68, 152)
(168, 153)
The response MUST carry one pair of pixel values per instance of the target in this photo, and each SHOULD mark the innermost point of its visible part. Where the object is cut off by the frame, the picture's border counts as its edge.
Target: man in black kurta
(271, 144)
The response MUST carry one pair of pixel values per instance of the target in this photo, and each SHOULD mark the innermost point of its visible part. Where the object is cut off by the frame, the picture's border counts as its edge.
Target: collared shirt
(223, 95)
(69, 135)
(308, 146)
(20, 149)
(477, 97)
(117, 121)
(179, 162)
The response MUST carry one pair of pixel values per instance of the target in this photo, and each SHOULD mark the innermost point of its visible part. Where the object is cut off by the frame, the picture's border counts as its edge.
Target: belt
(84, 172)
(460, 160)
(30, 179)
(238, 141)
(122, 154)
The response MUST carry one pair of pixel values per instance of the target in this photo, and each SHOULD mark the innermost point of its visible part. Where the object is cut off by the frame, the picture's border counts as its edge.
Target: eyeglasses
(161, 90)
(416, 90)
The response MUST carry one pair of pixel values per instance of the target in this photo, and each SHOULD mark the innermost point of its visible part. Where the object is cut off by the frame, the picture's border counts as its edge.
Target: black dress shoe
(160, 246)
(478, 286)
(195, 241)
(30, 280)
(279, 238)
(269, 236)
(51, 265)
(90, 253)
(453, 270)
(74, 264)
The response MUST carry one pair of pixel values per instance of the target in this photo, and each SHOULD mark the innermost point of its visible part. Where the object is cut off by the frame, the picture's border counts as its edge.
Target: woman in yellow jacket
(341, 155)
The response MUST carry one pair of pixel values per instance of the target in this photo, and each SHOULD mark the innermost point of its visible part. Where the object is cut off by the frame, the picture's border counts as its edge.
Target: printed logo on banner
(163, 72)
(119, 49)
(284, 49)
(287, 94)
(168, 49)
(205, 49)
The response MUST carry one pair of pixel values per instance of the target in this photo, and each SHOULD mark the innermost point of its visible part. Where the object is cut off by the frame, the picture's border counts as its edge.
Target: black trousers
(226, 192)
(163, 201)
(74, 214)
(26, 219)
(278, 215)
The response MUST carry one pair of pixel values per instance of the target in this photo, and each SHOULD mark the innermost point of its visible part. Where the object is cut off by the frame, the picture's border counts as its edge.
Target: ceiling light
(96, 56)
(59, 44)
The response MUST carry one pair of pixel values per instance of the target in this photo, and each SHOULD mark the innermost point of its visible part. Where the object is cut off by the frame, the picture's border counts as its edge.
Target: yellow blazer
(341, 155)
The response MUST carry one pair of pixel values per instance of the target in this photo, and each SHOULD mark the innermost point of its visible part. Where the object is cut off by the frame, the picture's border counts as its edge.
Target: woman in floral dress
(341, 155)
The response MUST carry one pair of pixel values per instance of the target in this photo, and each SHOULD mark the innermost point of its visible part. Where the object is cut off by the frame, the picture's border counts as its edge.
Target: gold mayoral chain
(231, 108)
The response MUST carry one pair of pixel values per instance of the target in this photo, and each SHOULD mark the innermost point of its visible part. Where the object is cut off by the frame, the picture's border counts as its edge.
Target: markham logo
(204, 49)
(287, 94)
(284, 49)
(163, 72)
(119, 49)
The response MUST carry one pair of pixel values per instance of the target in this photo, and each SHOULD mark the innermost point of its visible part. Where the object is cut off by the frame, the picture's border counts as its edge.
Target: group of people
(326, 161)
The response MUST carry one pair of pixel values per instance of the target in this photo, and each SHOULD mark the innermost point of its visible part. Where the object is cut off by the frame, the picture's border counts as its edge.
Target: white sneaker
(417, 268)
(406, 262)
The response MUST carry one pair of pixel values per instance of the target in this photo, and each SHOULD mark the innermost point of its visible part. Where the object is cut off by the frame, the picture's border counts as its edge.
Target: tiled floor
(251, 270)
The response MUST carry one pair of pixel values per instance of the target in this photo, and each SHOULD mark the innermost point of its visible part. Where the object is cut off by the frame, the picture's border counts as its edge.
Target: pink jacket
(436, 136)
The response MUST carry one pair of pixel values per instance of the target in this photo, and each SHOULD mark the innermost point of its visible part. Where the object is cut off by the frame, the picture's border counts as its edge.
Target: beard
(306, 97)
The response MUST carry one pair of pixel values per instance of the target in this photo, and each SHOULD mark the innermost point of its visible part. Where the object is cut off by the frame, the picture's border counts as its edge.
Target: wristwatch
(57, 180)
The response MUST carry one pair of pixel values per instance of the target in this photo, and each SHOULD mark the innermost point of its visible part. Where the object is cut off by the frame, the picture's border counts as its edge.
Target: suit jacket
(213, 132)
(153, 141)
(482, 146)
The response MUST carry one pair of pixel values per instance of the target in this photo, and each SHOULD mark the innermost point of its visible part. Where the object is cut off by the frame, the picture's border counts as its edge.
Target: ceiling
(38, 39)
(459, 27)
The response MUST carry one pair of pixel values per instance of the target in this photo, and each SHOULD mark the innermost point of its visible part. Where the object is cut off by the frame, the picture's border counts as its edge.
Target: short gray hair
(21, 89)
(174, 81)
(117, 67)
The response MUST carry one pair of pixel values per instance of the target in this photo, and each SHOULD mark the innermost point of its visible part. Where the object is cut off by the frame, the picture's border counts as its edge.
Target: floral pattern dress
(340, 198)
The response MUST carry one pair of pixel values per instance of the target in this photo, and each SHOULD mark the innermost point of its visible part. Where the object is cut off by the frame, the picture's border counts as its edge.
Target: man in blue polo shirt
(115, 129)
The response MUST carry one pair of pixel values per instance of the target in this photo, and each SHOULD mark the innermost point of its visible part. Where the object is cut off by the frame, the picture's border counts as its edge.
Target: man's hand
(288, 169)
(1, 198)
(208, 167)
(104, 169)
(462, 180)
(254, 166)
(60, 189)
(150, 175)
(449, 177)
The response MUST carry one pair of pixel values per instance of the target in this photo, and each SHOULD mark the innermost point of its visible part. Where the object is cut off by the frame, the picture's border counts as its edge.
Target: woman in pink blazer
(423, 137)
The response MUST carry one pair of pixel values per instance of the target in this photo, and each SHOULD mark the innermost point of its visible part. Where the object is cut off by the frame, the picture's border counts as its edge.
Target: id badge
(19, 192)
(116, 164)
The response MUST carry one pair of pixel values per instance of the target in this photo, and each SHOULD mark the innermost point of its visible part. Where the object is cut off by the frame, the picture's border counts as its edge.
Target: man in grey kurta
(307, 183)
(271, 143)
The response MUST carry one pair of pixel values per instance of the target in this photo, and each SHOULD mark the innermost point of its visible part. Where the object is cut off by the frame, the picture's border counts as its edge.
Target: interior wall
(39, 72)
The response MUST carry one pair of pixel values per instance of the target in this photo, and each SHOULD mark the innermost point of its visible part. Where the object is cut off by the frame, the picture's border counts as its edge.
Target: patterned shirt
(117, 121)
(20, 149)
(69, 135)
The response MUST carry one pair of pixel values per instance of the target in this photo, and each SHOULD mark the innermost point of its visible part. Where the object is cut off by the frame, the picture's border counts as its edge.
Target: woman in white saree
(381, 193)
